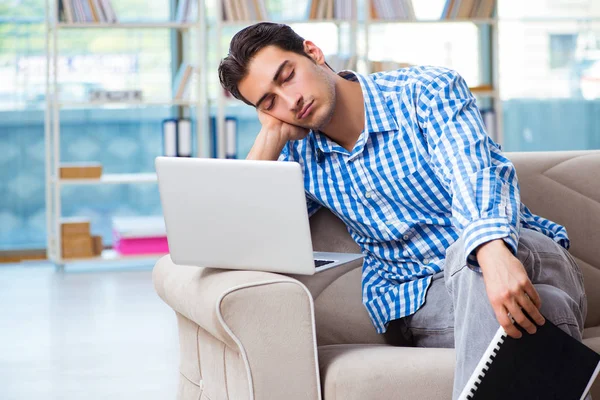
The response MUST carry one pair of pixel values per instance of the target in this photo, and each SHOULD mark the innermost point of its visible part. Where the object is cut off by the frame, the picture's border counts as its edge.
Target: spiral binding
(484, 369)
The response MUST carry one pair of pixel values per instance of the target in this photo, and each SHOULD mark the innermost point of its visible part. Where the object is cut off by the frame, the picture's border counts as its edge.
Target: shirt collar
(378, 117)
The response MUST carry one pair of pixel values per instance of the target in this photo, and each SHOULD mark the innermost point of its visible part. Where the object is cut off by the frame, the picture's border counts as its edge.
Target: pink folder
(134, 246)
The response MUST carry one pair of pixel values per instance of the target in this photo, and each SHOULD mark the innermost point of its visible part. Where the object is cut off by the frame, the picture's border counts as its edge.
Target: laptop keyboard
(320, 263)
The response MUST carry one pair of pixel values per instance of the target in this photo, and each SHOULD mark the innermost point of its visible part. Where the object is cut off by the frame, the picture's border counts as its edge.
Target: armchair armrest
(267, 318)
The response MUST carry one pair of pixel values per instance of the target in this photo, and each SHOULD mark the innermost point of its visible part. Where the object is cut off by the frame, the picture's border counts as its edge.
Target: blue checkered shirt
(422, 174)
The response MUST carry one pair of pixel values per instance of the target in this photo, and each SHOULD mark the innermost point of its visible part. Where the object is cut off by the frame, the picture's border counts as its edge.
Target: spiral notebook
(548, 365)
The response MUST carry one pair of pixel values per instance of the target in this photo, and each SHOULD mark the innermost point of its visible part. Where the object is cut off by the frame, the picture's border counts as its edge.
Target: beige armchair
(259, 335)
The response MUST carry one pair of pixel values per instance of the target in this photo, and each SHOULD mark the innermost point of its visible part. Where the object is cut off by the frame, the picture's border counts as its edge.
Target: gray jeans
(457, 312)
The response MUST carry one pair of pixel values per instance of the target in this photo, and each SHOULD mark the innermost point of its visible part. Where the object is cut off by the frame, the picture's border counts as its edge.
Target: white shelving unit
(54, 105)
(112, 179)
(201, 104)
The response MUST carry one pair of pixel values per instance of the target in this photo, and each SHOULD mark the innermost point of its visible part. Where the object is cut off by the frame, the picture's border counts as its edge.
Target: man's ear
(314, 52)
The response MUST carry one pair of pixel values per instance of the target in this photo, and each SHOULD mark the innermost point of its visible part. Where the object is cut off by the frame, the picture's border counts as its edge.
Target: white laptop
(239, 214)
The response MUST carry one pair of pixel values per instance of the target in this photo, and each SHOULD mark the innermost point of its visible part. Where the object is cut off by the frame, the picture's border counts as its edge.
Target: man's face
(291, 87)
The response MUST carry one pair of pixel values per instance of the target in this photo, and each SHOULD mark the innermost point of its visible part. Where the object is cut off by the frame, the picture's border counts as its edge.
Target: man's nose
(294, 101)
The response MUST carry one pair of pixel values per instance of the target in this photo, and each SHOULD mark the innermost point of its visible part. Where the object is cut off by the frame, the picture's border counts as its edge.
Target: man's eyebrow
(275, 78)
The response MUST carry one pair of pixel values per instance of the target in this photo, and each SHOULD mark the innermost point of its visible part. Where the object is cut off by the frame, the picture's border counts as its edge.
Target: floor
(88, 332)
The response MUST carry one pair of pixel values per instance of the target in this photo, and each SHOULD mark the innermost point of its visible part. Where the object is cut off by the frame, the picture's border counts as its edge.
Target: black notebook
(548, 365)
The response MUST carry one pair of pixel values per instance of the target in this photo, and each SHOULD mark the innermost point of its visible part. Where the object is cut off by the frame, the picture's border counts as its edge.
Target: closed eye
(271, 104)
(290, 76)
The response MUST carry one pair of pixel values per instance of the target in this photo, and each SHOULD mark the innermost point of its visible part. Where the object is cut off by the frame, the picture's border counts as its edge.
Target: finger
(533, 314)
(506, 323)
(531, 308)
(521, 319)
(533, 295)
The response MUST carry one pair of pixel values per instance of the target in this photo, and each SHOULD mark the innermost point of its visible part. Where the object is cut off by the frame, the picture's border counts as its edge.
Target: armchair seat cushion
(590, 333)
(372, 371)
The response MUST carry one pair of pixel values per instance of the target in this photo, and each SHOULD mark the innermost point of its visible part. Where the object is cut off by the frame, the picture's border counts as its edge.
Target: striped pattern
(422, 174)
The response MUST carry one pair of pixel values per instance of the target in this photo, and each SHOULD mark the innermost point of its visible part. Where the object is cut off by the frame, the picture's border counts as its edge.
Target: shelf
(111, 256)
(112, 179)
(551, 19)
(477, 21)
(126, 25)
(485, 93)
(128, 103)
(288, 22)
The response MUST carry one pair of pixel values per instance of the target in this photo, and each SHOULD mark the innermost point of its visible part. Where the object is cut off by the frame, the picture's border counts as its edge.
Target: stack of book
(139, 235)
(100, 11)
(244, 10)
(392, 10)
(332, 9)
(76, 239)
(466, 9)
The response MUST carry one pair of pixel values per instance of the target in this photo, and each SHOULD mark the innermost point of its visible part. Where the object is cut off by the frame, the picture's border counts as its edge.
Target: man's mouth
(305, 110)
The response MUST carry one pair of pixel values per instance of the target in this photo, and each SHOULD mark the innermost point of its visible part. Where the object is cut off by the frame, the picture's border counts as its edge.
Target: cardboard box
(80, 246)
(74, 227)
(80, 170)
(97, 244)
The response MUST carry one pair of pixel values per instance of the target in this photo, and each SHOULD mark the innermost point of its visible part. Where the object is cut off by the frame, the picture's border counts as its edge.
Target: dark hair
(244, 46)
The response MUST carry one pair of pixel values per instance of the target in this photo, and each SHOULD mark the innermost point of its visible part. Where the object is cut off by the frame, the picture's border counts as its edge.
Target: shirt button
(426, 261)
(368, 195)
(405, 237)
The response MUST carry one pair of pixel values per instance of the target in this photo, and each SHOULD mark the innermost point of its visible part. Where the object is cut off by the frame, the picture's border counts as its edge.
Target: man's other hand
(509, 288)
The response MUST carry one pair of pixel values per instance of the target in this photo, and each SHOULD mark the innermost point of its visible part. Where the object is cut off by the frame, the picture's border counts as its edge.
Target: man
(403, 159)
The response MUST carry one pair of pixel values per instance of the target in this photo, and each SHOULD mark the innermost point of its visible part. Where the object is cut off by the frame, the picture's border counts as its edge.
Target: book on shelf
(468, 9)
(184, 137)
(231, 138)
(86, 11)
(187, 11)
(181, 81)
(331, 9)
(169, 137)
(244, 10)
(115, 95)
(392, 10)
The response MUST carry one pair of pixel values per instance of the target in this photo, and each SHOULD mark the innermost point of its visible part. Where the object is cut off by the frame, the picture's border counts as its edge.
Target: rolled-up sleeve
(482, 182)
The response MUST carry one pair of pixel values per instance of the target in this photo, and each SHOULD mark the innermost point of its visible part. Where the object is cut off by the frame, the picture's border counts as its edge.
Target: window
(550, 74)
